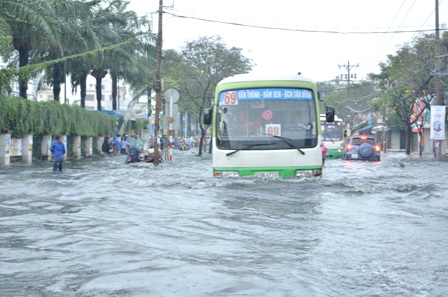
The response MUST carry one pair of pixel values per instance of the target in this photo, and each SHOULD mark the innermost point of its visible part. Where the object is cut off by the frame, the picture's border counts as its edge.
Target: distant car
(362, 147)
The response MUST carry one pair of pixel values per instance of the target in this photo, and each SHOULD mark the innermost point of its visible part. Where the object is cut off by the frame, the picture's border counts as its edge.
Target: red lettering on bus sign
(230, 98)
(273, 129)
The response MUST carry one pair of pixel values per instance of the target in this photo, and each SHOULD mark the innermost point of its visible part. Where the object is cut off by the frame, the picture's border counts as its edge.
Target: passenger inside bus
(250, 124)
(296, 122)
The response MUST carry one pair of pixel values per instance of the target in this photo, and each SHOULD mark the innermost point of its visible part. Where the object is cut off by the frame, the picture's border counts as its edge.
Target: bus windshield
(266, 117)
(332, 131)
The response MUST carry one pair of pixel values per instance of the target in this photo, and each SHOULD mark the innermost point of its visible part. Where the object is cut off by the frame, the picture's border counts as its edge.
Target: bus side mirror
(329, 114)
(208, 116)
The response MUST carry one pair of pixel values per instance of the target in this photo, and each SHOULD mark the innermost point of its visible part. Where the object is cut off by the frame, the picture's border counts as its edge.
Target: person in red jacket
(324, 152)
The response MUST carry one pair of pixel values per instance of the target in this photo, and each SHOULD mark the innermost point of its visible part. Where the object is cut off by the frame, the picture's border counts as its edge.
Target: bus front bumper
(267, 173)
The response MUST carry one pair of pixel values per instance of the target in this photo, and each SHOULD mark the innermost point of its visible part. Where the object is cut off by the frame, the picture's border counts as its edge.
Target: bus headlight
(308, 173)
(219, 173)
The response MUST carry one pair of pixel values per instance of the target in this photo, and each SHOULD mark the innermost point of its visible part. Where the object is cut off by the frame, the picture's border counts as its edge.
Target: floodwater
(105, 228)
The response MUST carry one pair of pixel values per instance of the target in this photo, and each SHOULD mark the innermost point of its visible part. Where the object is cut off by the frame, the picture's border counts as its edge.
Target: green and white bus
(266, 126)
(333, 137)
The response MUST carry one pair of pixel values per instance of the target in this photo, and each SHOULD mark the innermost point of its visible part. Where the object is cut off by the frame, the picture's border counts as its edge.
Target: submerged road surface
(105, 228)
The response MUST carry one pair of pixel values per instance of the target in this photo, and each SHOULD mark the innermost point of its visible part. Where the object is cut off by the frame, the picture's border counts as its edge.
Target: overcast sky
(306, 46)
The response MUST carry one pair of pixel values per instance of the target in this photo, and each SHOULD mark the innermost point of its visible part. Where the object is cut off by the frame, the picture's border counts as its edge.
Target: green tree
(141, 77)
(74, 38)
(202, 64)
(117, 25)
(125, 60)
(29, 22)
(354, 105)
(92, 28)
(104, 18)
(405, 79)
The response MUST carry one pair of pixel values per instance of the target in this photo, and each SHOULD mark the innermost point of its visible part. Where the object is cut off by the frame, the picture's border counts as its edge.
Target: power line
(382, 37)
(409, 10)
(361, 99)
(357, 110)
(416, 72)
(415, 33)
(296, 30)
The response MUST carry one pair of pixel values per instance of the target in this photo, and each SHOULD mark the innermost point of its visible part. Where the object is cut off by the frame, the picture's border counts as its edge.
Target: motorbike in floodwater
(137, 155)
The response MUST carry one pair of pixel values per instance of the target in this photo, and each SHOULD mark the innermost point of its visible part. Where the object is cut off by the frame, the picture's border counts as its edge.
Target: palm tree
(142, 77)
(126, 24)
(104, 18)
(28, 22)
(122, 62)
(74, 38)
(80, 68)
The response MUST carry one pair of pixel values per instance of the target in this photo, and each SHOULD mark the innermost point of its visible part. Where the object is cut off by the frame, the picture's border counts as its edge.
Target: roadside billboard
(437, 122)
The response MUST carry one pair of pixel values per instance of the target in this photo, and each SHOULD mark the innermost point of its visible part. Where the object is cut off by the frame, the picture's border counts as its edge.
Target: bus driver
(295, 122)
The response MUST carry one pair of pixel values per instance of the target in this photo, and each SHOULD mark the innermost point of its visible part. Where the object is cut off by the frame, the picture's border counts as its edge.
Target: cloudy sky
(317, 38)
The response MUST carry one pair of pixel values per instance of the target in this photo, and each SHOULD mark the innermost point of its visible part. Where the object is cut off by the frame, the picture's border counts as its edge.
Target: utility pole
(439, 93)
(347, 77)
(439, 99)
(348, 67)
(158, 86)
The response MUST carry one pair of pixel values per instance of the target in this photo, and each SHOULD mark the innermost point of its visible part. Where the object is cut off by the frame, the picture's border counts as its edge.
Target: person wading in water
(58, 150)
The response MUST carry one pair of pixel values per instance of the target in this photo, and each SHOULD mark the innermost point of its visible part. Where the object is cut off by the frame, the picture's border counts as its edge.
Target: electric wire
(382, 37)
(387, 31)
(358, 110)
(359, 99)
(400, 25)
(296, 30)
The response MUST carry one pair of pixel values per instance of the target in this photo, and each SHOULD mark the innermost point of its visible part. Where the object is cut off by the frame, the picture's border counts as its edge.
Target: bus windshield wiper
(326, 133)
(249, 146)
(289, 142)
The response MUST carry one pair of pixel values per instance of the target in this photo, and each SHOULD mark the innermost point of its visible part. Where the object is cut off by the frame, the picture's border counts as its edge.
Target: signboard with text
(437, 122)
(233, 97)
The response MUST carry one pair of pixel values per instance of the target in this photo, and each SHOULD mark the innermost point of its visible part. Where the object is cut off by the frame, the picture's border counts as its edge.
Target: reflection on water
(105, 228)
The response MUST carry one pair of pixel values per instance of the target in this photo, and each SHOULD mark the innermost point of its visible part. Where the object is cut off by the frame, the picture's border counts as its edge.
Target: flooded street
(105, 228)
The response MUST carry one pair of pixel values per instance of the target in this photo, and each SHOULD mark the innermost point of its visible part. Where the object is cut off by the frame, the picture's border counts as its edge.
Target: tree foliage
(353, 104)
(200, 66)
(406, 79)
(37, 31)
(30, 24)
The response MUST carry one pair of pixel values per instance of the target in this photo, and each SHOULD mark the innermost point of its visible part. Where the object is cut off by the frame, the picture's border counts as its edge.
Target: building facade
(73, 98)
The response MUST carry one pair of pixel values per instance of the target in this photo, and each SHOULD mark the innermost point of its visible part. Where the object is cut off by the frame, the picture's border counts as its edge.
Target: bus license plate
(270, 174)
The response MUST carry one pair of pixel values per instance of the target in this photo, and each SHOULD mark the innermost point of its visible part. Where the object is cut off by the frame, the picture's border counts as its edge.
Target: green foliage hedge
(24, 116)
(133, 127)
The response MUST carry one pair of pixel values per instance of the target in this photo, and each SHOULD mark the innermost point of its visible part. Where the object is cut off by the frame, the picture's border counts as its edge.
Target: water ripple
(105, 228)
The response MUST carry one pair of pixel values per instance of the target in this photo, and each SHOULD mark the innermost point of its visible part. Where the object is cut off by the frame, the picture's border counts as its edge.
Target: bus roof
(264, 77)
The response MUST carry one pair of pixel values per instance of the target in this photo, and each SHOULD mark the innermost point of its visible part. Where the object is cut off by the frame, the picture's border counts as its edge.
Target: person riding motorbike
(137, 155)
